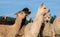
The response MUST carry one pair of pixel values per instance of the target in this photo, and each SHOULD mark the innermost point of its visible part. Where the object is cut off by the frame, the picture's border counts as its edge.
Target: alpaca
(47, 27)
(23, 23)
(11, 30)
(32, 29)
(56, 25)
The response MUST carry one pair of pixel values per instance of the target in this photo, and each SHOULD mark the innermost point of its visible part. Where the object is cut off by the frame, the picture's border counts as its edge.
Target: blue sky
(9, 7)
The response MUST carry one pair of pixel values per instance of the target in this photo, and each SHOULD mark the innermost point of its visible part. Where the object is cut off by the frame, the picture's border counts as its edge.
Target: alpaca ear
(42, 5)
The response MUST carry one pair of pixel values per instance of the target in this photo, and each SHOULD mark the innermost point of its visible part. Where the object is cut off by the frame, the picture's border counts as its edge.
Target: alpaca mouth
(47, 21)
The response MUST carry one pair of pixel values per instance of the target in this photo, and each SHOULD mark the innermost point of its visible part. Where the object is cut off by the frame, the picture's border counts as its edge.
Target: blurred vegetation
(8, 20)
(52, 19)
(11, 20)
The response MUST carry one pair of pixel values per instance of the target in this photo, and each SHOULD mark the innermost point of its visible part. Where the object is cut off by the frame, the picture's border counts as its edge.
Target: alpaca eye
(48, 17)
(45, 8)
(21, 13)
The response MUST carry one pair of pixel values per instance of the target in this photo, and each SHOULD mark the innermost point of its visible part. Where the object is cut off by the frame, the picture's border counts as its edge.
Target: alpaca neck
(47, 25)
(37, 24)
(38, 15)
(18, 21)
(17, 24)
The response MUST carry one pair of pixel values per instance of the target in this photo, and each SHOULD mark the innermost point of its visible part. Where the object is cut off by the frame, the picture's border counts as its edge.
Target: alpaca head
(43, 9)
(47, 18)
(27, 11)
(23, 13)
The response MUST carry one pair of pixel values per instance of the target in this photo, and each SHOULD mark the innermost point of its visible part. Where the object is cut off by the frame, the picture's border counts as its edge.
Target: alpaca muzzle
(27, 11)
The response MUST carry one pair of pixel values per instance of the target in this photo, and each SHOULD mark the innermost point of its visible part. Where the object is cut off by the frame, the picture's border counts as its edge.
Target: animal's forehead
(47, 16)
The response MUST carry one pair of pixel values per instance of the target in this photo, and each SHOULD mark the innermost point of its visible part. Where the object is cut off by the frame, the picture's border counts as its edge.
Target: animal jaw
(48, 27)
